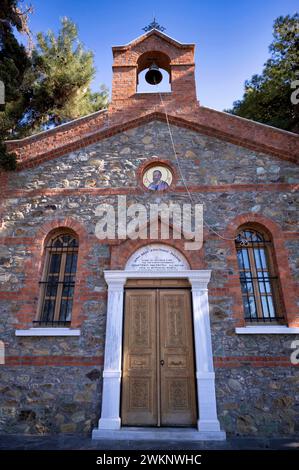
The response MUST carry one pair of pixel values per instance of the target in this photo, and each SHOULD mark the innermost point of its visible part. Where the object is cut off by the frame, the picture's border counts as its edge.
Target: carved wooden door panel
(177, 375)
(139, 384)
(158, 385)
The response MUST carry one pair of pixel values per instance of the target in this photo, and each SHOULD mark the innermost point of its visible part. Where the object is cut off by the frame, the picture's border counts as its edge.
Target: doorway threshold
(158, 434)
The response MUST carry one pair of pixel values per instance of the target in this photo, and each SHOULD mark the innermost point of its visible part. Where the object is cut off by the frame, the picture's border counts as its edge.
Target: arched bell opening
(153, 73)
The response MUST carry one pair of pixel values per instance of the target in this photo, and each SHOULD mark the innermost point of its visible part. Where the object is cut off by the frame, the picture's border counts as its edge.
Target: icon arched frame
(168, 176)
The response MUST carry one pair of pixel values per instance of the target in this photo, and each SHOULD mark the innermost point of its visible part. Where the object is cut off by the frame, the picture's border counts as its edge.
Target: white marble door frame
(110, 417)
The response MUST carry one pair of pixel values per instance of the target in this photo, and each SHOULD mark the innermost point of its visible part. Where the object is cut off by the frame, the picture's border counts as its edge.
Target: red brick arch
(161, 59)
(34, 267)
(122, 252)
(288, 286)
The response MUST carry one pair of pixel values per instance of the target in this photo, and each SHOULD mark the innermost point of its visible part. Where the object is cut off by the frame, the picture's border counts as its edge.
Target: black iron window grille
(259, 283)
(58, 283)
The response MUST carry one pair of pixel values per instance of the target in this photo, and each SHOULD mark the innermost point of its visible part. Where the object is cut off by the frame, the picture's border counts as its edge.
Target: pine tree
(45, 86)
(63, 72)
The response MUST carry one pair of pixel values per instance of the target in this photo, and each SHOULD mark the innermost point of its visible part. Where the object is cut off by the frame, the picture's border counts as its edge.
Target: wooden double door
(158, 385)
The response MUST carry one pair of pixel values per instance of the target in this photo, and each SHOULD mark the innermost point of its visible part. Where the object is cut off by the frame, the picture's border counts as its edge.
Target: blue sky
(231, 36)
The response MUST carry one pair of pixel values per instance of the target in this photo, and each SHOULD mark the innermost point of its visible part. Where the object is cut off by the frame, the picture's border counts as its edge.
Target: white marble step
(159, 434)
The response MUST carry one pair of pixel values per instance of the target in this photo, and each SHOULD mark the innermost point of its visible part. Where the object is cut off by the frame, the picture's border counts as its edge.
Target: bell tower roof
(154, 32)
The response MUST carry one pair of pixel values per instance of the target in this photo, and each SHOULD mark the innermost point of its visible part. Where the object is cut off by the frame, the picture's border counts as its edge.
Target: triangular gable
(153, 32)
(233, 129)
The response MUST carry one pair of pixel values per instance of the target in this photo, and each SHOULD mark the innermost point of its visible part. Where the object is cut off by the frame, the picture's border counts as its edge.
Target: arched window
(58, 281)
(259, 282)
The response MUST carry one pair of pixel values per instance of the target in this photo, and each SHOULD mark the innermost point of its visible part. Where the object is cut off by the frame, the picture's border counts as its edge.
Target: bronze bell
(153, 76)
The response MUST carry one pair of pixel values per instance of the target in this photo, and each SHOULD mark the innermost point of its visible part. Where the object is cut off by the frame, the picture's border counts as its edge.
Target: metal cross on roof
(154, 25)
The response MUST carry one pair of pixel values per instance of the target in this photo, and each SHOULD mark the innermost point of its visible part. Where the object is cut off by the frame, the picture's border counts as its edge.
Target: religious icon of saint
(157, 177)
(158, 184)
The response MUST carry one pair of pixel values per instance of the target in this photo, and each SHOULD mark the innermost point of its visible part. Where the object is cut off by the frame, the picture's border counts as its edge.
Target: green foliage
(63, 71)
(267, 97)
(14, 62)
(8, 161)
(10, 15)
(44, 87)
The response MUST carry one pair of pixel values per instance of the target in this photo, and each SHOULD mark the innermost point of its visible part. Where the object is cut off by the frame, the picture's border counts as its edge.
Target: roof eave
(150, 33)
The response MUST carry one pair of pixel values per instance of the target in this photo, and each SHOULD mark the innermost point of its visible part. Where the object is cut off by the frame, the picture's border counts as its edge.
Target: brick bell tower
(168, 54)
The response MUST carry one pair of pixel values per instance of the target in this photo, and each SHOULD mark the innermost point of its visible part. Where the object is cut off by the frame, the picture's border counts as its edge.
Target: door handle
(162, 362)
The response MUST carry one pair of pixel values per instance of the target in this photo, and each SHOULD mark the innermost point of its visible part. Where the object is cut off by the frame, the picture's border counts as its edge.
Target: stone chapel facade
(98, 336)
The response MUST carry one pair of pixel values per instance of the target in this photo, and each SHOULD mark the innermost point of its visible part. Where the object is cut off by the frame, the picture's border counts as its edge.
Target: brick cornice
(75, 123)
(79, 134)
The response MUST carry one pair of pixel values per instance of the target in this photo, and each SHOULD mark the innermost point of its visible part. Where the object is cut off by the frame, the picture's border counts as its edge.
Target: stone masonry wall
(46, 399)
(54, 384)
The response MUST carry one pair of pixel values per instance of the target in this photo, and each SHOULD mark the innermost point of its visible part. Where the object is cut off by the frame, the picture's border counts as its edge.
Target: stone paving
(78, 442)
